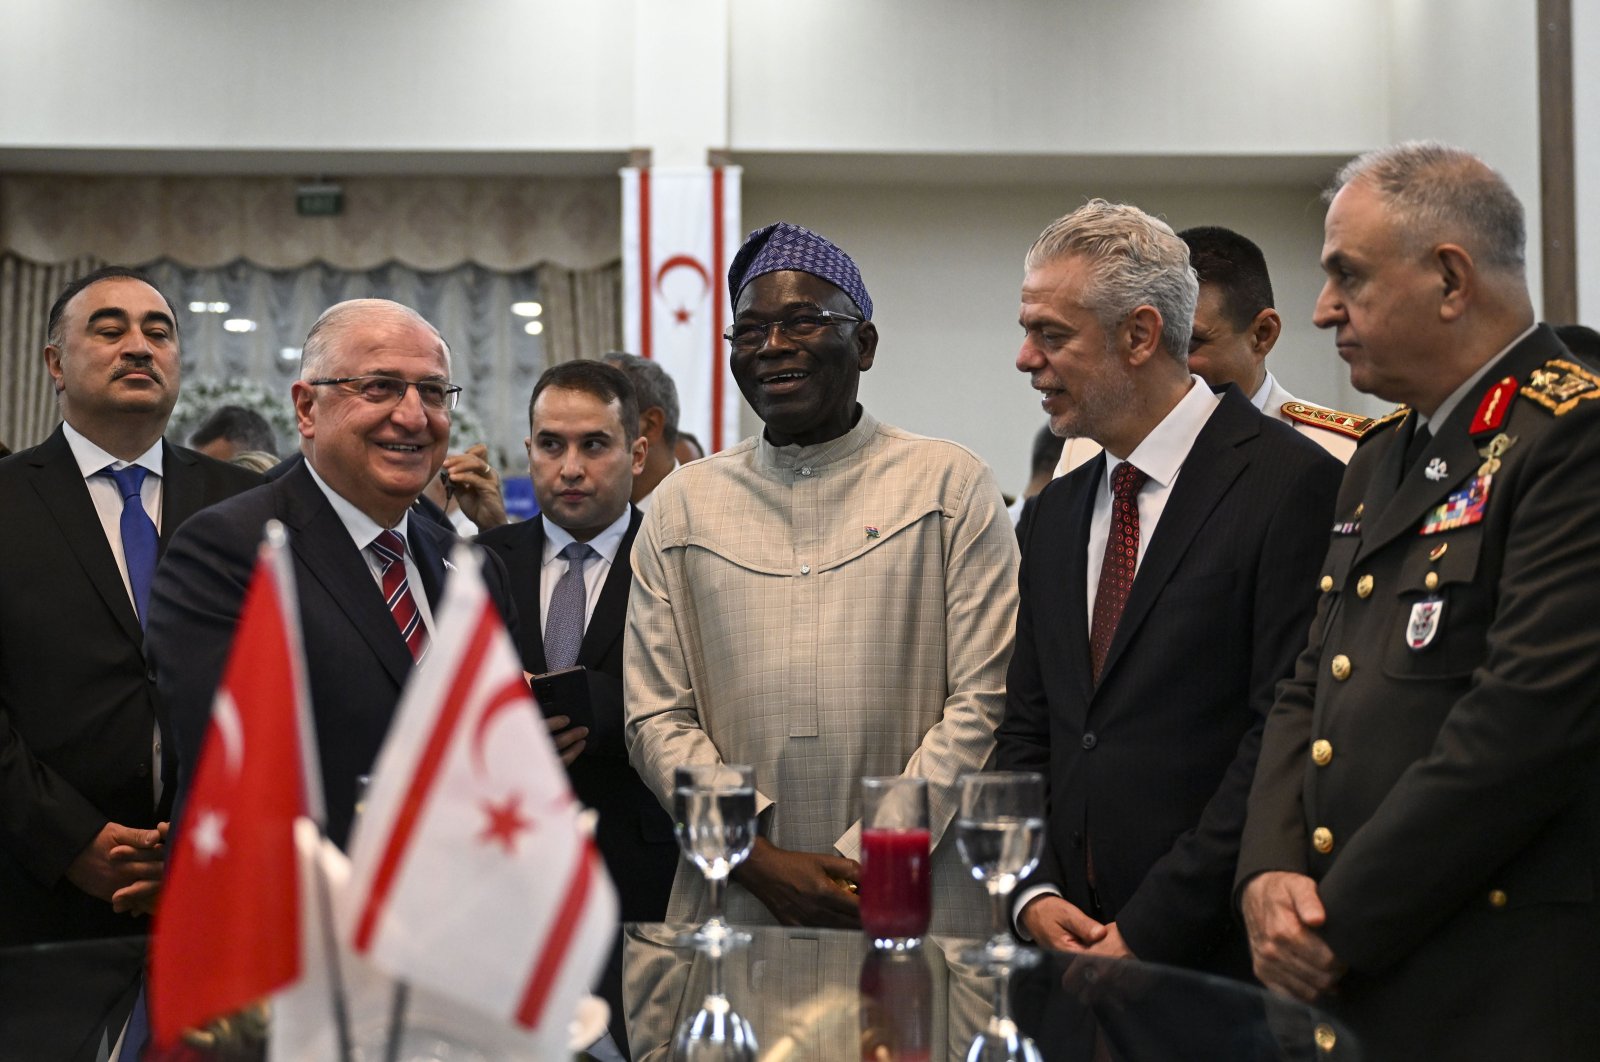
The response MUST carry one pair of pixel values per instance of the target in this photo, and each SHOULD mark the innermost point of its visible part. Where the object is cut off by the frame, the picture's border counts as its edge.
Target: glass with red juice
(896, 895)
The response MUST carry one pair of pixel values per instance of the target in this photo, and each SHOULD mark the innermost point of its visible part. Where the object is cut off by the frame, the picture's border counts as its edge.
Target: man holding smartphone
(570, 570)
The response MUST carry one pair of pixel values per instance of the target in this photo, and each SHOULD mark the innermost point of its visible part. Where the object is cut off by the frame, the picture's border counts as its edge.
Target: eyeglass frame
(452, 392)
(829, 319)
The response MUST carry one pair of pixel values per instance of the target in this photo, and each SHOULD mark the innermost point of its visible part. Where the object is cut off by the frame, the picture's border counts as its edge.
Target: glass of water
(1000, 834)
(714, 816)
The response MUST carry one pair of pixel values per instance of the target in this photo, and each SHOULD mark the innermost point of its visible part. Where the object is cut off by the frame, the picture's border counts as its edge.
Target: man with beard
(830, 599)
(1165, 588)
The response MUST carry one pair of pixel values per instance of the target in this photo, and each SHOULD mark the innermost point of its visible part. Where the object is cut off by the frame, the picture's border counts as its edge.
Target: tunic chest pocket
(1441, 612)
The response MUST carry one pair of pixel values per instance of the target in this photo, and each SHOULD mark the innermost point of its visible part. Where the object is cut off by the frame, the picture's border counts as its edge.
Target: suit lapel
(1065, 554)
(1398, 512)
(321, 542)
(611, 611)
(522, 549)
(428, 546)
(182, 490)
(60, 486)
(1213, 463)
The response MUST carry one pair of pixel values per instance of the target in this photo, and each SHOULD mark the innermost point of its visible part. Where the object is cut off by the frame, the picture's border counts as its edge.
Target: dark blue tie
(139, 538)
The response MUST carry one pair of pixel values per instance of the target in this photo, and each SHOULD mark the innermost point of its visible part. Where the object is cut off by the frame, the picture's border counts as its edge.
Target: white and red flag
(227, 932)
(471, 872)
(680, 229)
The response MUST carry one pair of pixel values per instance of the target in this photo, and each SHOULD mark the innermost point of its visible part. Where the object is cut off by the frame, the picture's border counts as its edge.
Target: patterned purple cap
(785, 246)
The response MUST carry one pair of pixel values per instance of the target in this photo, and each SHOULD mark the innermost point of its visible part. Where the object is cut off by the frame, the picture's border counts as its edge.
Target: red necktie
(1122, 558)
(390, 550)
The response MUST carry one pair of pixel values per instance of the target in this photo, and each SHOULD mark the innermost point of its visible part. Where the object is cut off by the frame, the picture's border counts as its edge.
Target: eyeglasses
(753, 334)
(390, 391)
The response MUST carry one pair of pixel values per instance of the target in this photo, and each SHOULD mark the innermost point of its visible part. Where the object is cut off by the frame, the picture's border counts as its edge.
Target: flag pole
(397, 1020)
(277, 548)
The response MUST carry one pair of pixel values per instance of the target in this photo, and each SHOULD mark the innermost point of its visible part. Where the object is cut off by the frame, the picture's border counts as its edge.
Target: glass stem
(715, 887)
(1002, 997)
(998, 903)
(716, 990)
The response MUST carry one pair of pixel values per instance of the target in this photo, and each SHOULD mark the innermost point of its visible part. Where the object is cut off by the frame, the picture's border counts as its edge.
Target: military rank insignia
(1461, 509)
(1351, 526)
(1558, 385)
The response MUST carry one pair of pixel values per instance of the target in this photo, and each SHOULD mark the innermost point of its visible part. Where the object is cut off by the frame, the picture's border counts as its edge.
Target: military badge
(1558, 385)
(1491, 453)
(1461, 509)
(1351, 526)
(1436, 469)
(1424, 623)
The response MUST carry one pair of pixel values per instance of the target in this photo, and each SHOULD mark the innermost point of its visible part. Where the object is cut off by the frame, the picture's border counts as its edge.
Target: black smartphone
(565, 692)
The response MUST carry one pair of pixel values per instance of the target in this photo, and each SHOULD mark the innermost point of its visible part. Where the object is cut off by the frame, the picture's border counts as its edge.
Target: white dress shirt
(605, 545)
(1160, 456)
(107, 499)
(364, 530)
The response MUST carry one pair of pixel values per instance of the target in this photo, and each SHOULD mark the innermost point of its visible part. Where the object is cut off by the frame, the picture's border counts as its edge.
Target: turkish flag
(472, 872)
(228, 927)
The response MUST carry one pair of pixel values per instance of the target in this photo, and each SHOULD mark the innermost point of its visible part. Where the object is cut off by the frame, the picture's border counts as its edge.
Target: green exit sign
(319, 200)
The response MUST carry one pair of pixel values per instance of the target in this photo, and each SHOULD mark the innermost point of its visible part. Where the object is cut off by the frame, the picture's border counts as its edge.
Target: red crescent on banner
(683, 261)
(513, 693)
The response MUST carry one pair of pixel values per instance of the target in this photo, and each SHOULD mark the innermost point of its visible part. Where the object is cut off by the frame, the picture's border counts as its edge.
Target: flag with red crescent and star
(680, 229)
(473, 871)
(227, 932)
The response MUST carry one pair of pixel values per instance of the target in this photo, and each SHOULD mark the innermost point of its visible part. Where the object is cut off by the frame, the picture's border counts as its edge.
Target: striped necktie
(563, 622)
(390, 549)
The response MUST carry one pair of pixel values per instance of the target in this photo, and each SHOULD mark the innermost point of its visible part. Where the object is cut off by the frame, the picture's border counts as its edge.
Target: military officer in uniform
(1422, 849)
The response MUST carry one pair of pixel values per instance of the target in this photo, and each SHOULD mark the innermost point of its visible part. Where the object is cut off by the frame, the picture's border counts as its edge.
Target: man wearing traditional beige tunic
(831, 599)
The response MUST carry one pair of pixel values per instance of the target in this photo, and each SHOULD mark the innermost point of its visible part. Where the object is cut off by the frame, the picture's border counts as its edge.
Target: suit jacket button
(1090, 741)
(1497, 897)
(1431, 580)
(1322, 752)
(1322, 839)
(1326, 584)
(1325, 1037)
(1364, 586)
(1340, 667)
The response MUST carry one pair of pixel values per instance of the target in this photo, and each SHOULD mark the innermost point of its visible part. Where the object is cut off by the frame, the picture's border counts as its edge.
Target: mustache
(144, 367)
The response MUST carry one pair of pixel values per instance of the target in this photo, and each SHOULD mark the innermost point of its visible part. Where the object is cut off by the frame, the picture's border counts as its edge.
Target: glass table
(808, 994)
(825, 995)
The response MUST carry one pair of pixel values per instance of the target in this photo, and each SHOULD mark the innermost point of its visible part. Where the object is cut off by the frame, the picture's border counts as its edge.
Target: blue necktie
(563, 624)
(139, 538)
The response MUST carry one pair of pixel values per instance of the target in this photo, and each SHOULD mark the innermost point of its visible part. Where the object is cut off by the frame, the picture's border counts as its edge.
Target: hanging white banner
(680, 229)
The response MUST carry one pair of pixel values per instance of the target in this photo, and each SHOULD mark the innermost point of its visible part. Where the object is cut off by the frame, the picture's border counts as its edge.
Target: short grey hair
(654, 387)
(1135, 260)
(1442, 193)
(340, 319)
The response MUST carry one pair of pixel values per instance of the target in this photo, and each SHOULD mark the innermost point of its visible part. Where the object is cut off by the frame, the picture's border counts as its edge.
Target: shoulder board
(1331, 419)
(1395, 417)
(1559, 385)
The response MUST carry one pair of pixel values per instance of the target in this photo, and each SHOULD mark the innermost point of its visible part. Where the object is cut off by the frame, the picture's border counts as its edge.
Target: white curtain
(493, 357)
(27, 288)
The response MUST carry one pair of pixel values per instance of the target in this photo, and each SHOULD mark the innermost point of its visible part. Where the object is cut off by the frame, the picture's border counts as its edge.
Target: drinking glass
(716, 1032)
(714, 812)
(1000, 834)
(896, 892)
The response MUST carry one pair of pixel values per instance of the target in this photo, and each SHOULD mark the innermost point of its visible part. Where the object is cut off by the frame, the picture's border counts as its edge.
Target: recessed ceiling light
(218, 307)
(533, 328)
(289, 353)
(527, 309)
(239, 324)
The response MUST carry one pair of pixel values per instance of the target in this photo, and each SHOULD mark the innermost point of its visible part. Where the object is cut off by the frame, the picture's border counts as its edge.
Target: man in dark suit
(584, 450)
(85, 784)
(1423, 842)
(1165, 588)
(373, 407)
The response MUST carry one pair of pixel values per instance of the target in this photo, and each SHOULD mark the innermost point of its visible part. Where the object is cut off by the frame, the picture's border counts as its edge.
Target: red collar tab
(1492, 410)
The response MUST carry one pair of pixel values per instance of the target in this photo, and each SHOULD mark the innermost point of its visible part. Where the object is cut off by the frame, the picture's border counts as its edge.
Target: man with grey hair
(658, 420)
(1423, 840)
(373, 409)
(1165, 588)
